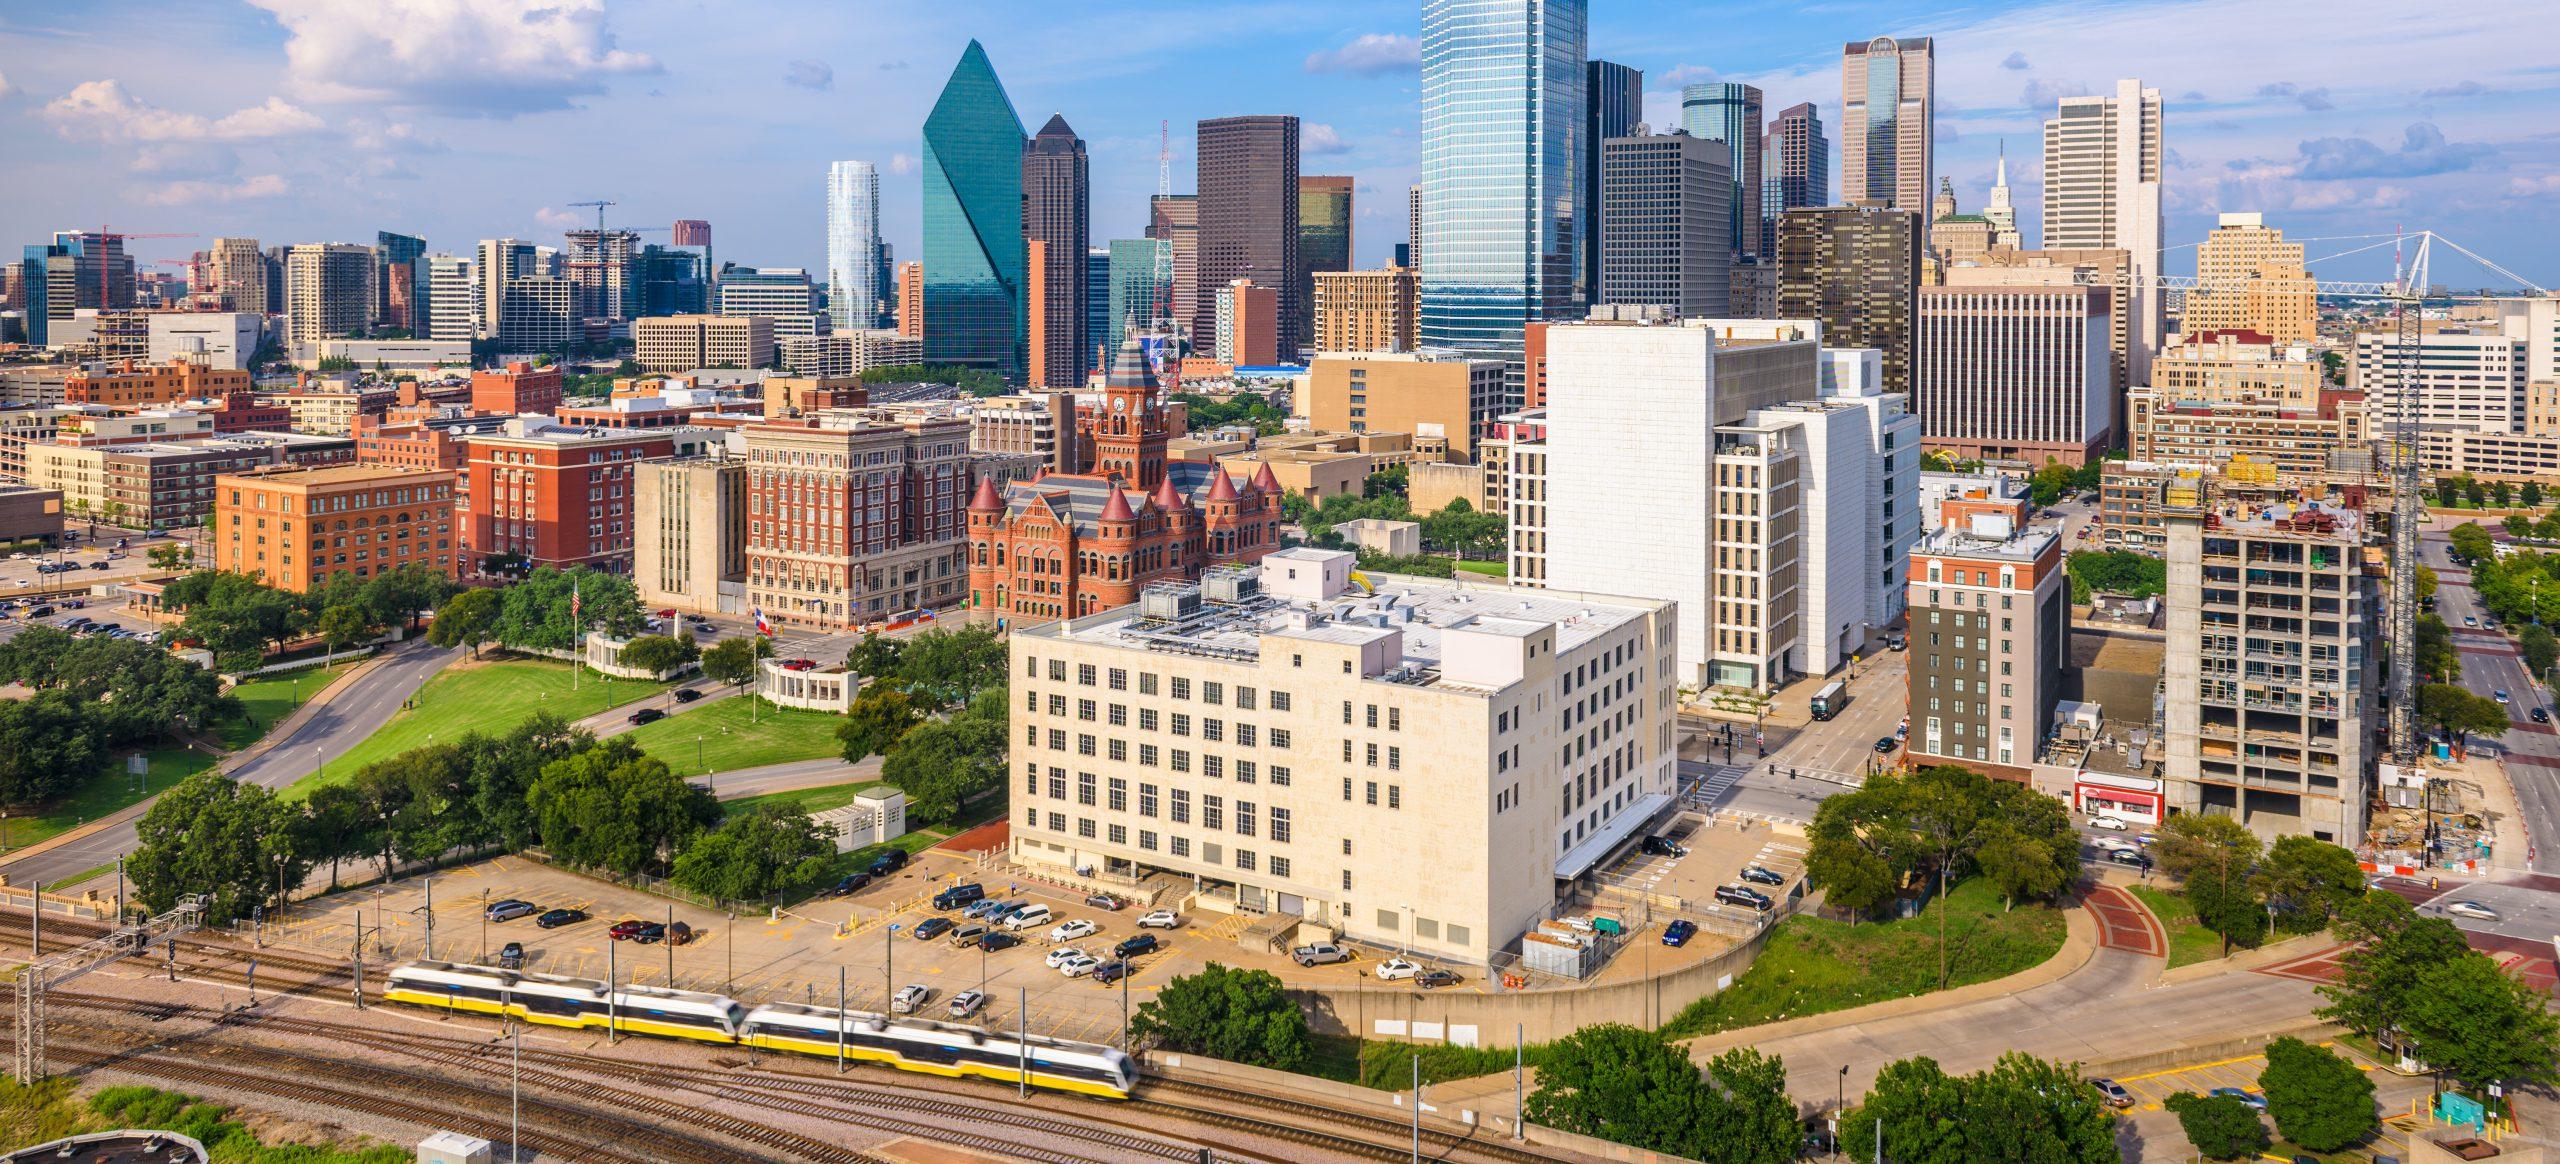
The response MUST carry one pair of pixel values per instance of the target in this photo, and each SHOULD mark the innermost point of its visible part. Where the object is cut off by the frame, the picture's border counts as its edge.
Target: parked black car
(511, 956)
(560, 917)
(850, 883)
(998, 940)
(1738, 895)
(686, 695)
(1142, 944)
(889, 862)
(954, 897)
(932, 927)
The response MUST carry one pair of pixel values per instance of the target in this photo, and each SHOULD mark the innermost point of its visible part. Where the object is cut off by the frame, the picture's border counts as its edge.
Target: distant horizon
(305, 121)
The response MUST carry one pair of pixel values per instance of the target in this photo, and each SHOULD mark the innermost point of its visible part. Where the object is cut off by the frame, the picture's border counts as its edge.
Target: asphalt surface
(2490, 663)
(1808, 765)
(330, 730)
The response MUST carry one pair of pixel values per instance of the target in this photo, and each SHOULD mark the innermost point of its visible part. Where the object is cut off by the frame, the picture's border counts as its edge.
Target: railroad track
(1437, 1143)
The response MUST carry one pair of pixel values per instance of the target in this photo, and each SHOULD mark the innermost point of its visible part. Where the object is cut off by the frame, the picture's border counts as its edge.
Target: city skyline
(233, 121)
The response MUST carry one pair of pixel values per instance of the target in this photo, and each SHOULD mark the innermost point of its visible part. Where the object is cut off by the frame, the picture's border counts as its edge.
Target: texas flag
(763, 627)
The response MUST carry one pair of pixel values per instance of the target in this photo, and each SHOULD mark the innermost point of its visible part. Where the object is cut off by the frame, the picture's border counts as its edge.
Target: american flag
(573, 602)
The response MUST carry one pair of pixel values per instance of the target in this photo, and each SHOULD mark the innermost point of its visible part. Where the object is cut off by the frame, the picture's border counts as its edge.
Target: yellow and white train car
(560, 1001)
(937, 1048)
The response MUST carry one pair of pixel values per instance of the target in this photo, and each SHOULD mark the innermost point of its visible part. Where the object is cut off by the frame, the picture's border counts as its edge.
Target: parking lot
(795, 955)
(2395, 1095)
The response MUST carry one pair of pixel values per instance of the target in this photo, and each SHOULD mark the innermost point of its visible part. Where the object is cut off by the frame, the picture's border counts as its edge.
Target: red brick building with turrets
(1065, 545)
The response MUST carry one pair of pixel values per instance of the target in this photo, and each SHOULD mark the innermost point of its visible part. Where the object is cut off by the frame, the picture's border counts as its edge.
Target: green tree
(2023, 1108)
(2541, 649)
(660, 654)
(2117, 572)
(1625, 1085)
(2459, 712)
(878, 718)
(234, 615)
(396, 598)
(2029, 848)
(343, 626)
(2220, 1126)
(733, 661)
(210, 834)
(537, 612)
(2394, 949)
(467, 619)
(763, 851)
(875, 657)
(2438, 659)
(2531, 495)
(2498, 493)
(943, 764)
(49, 745)
(946, 668)
(1394, 479)
(2215, 857)
(611, 807)
(1853, 865)
(2517, 525)
(2479, 1025)
(2317, 1099)
(1243, 1016)
(2308, 881)
(2471, 543)
(2049, 484)
(334, 827)
(171, 556)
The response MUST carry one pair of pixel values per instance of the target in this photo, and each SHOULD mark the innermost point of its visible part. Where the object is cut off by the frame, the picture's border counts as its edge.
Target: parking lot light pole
(1126, 969)
(612, 990)
(484, 924)
(889, 970)
(840, 1020)
(670, 942)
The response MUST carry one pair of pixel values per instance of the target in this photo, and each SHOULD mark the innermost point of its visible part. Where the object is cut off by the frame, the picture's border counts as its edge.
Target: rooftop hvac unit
(1169, 603)
(1232, 586)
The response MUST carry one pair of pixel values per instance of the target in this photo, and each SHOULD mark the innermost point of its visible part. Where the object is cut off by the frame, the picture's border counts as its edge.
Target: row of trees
(1457, 528)
(1242, 408)
(2545, 528)
(241, 619)
(2056, 481)
(2116, 572)
(2317, 1098)
(2462, 488)
(599, 805)
(2415, 984)
(2521, 588)
(2239, 886)
(548, 609)
(933, 708)
(92, 696)
(1945, 823)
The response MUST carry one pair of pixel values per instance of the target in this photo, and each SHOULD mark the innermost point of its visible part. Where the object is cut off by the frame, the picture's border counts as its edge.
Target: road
(788, 777)
(1825, 758)
(2490, 662)
(330, 730)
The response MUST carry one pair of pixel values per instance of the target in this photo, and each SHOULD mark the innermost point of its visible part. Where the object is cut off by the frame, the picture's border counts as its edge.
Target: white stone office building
(2103, 160)
(1425, 764)
(1734, 467)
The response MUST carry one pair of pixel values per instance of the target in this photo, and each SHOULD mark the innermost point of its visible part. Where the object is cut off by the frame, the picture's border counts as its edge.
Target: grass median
(734, 733)
(1815, 965)
(489, 696)
(2189, 941)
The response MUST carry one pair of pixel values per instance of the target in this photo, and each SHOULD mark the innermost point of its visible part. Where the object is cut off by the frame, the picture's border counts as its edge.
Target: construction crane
(1166, 328)
(2408, 511)
(599, 204)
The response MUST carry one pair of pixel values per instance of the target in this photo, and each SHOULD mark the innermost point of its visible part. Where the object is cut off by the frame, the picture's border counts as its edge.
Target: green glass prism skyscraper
(973, 254)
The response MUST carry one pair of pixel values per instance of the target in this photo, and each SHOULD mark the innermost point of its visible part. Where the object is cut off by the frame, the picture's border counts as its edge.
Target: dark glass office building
(973, 255)
(1248, 208)
(1615, 104)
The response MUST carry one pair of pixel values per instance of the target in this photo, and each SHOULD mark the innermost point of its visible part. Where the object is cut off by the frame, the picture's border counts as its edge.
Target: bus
(1828, 701)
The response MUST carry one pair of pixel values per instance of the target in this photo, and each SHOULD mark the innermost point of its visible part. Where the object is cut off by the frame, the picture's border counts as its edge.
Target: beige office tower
(689, 533)
(1366, 311)
(1888, 100)
(2102, 190)
(2249, 279)
(328, 290)
(240, 274)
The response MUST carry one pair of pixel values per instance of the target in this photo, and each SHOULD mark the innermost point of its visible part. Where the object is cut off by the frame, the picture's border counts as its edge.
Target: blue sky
(322, 120)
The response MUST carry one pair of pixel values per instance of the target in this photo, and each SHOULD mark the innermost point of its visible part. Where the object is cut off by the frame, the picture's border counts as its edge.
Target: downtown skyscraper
(1613, 104)
(1795, 168)
(1248, 215)
(973, 253)
(853, 245)
(2102, 165)
(1503, 169)
(1729, 115)
(1888, 110)
(1055, 210)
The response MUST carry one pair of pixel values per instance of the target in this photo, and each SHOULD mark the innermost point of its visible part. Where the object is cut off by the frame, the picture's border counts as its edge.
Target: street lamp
(889, 969)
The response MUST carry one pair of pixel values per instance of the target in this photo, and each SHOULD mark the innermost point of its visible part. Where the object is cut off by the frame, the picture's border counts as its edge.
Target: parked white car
(1162, 919)
(910, 998)
(1071, 930)
(1079, 966)
(1398, 969)
(1037, 915)
(1063, 955)
(2113, 824)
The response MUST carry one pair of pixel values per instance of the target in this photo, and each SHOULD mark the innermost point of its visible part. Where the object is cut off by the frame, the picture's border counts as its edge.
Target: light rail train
(909, 1044)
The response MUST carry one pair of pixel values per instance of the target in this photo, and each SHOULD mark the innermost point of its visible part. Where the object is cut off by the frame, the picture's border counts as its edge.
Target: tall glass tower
(1502, 169)
(1723, 111)
(1613, 105)
(973, 254)
(853, 245)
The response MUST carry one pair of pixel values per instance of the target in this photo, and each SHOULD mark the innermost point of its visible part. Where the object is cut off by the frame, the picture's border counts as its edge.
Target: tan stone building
(1314, 474)
(2231, 367)
(675, 343)
(689, 534)
(2248, 278)
(2329, 438)
(1366, 311)
(1419, 394)
(1387, 764)
(853, 516)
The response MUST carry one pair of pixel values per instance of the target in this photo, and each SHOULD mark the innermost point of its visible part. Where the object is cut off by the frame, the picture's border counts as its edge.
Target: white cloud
(496, 58)
(1370, 55)
(1680, 75)
(104, 111)
(902, 163)
(190, 193)
(818, 75)
(2015, 62)
(6, 89)
(555, 218)
(1317, 138)
(397, 136)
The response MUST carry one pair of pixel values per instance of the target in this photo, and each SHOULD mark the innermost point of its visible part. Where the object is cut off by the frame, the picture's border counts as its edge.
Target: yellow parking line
(2189, 1067)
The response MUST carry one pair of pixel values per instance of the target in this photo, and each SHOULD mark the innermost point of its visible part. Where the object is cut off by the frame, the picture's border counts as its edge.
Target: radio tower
(2408, 511)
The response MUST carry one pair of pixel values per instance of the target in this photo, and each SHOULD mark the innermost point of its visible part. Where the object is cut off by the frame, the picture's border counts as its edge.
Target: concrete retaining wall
(1535, 1016)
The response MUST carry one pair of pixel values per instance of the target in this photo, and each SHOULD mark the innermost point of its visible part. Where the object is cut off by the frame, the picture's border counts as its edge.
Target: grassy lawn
(1492, 569)
(2189, 942)
(488, 697)
(730, 742)
(1814, 965)
(267, 701)
(808, 800)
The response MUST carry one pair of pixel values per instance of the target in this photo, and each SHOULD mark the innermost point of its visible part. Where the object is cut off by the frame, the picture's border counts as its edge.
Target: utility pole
(1022, 1012)
(1417, 1109)
(841, 1019)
